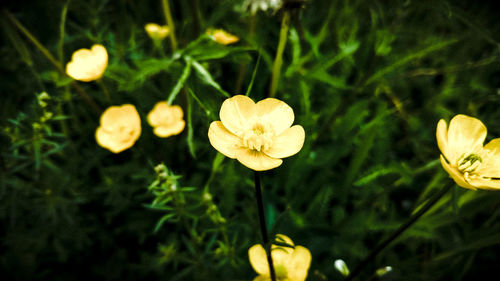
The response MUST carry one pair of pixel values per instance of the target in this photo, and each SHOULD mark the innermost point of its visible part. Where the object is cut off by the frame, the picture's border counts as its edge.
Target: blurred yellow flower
(166, 120)
(120, 128)
(157, 32)
(290, 264)
(256, 134)
(88, 65)
(463, 156)
(222, 37)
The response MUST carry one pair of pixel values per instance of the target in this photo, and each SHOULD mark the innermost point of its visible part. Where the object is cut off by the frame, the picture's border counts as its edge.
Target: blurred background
(368, 81)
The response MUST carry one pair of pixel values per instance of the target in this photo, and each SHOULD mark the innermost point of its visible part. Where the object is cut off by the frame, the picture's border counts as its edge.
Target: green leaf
(189, 138)
(180, 83)
(163, 219)
(249, 89)
(207, 78)
(408, 58)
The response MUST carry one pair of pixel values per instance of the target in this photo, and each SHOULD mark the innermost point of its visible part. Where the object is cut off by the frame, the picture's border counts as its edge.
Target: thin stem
(262, 220)
(62, 25)
(104, 89)
(433, 200)
(35, 41)
(50, 57)
(170, 23)
(278, 60)
(195, 14)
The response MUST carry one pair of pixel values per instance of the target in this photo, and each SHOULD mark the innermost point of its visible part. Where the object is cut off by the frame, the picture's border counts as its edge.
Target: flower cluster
(121, 125)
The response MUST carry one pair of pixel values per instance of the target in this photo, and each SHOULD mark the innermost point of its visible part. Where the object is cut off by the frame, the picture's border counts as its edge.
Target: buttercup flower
(120, 128)
(463, 156)
(222, 37)
(166, 120)
(88, 65)
(290, 264)
(157, 32)
(256, 134)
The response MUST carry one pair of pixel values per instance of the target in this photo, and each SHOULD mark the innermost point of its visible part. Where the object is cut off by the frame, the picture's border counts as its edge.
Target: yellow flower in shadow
(463, 156)
(256, 134)
(222, 37)
(120, 128)
(88, 65)
(157, 32)
(166, 120)
(290, 263)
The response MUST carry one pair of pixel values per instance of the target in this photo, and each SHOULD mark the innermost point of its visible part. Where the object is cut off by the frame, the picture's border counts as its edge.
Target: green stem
(262, 220)
(104, 89)
(278, 60)
(433, 200)
(62, 25)
(170, 23)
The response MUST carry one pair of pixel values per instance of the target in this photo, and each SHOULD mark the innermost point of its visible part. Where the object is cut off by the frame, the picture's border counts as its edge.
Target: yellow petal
(490, 167)
(114, 116)
(236, 112)
(174, 129)
(100, 54)
(262, 278)
(288, 143)
(258, 259)
(276, 113)
(284, 239)
(257, 161)
(165, 115)
(455, 174)
(223, 140)
(465, 135)
(299, 264)
(442, 139)
(487, 184)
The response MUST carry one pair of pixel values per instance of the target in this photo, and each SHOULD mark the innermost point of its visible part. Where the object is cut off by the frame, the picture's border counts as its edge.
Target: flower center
(469, 163)
(259, 137)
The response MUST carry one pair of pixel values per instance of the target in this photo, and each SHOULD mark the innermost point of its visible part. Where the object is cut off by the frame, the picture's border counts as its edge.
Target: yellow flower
(290, 264)
(166, 120)
(88, 65)
(463, 156)
(222, 37)
(120, 128)
(157, 32)
(256, 134)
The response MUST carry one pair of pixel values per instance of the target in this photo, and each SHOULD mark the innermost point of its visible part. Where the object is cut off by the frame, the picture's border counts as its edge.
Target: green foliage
(368, 81)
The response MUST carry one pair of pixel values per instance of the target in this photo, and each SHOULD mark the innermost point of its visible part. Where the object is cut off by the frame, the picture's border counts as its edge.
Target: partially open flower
(463, 156)
(166, 119)
(120, 128)
(88, 65)
(157, 32)
(222, 37)
(256, 134)
(290, 263)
